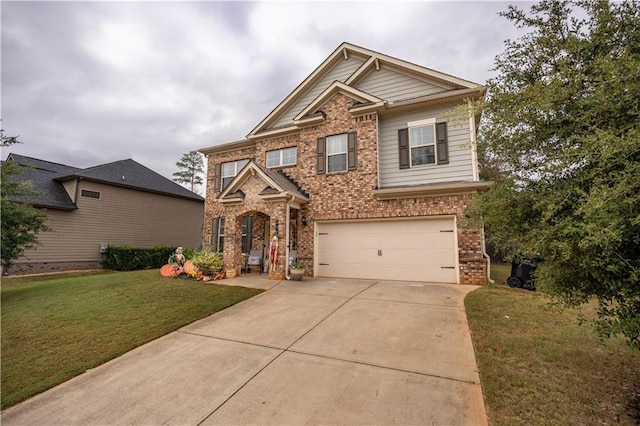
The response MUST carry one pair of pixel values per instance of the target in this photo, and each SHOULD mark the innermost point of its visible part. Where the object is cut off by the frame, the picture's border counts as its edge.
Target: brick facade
(346, 195)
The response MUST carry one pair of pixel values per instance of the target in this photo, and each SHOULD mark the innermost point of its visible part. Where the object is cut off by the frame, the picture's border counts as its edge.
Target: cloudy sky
(86, 83)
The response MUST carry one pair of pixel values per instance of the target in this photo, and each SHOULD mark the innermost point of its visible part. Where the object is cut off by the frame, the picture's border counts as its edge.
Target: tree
(21, 222)
(561, 127)
(191, 167)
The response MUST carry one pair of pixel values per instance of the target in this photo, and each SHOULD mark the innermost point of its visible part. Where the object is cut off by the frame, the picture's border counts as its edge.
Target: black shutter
(352, 151)
(403, 148)
(214, 234)
(321, 160)
(442, 143)
(217, 177)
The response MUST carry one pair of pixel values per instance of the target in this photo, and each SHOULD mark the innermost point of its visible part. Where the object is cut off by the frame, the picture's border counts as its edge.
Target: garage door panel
(412, 250)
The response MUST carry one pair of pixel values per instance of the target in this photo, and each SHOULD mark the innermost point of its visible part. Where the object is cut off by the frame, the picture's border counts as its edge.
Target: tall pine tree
(191, 167)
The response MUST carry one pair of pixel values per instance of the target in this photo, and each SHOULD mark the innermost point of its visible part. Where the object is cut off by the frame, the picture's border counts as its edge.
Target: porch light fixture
(277, 227)
(304, 221)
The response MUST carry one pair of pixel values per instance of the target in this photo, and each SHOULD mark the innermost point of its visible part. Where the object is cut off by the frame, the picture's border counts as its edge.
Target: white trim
(237, 170)
(281, 162)
(346, 50)
(454, 188)
(345, 152)
(336, 87)
(474, 143)
(422, 123)
(419, 125)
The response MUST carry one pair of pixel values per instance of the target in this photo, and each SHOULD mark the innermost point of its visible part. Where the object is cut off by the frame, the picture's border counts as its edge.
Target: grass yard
(539, 367)
(56, 327)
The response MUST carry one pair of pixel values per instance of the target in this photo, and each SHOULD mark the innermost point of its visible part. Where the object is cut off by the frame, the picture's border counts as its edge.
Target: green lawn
(539, 367)
(56, 327)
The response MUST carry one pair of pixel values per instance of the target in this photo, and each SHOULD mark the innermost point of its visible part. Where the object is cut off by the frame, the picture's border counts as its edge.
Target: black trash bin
(522, 274)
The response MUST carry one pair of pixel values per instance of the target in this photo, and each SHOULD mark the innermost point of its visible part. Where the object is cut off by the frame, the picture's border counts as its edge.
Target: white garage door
(403, 250)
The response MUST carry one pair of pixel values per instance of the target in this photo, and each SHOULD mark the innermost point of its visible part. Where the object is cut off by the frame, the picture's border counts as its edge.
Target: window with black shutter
(337, 153)
(422, 144)
(217, 234)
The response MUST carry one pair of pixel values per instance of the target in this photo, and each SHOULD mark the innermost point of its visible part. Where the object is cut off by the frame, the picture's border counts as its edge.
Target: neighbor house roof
(42, 173)
(128, 173)
(47, 178)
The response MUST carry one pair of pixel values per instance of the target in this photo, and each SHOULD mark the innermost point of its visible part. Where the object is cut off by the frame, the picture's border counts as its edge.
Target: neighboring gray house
(119, 203)
(364, 170)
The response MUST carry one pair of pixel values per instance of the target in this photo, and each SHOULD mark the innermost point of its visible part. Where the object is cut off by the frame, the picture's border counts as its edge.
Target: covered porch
(258, 222)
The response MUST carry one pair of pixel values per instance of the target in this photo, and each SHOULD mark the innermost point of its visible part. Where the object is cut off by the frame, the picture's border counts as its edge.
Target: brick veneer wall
(346, 195)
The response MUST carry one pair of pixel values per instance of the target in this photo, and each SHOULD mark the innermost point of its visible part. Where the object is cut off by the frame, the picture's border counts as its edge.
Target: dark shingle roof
(284, 181)
(47, 178)
(42, 174)
(129, 173)
(41, 164)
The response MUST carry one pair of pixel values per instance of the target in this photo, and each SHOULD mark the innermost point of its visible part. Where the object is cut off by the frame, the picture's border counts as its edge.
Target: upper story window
(336, 153)
(423, 145)
(230, 170)
(423, 142)
(89, 194)
(282, 157)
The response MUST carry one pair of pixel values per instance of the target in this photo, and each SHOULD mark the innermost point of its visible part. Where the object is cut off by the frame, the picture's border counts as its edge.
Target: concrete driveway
(320, 351)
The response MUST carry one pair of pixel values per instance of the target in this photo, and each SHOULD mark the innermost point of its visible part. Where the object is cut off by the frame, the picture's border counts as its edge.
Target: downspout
(287, 237)
(486, 256)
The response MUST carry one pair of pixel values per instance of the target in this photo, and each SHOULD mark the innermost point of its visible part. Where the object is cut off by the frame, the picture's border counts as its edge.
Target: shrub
(127, 258)
(190, 253)
(208, 262)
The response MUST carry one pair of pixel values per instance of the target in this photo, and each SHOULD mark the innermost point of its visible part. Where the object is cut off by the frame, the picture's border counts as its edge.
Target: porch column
(232, 242)
(278, 219)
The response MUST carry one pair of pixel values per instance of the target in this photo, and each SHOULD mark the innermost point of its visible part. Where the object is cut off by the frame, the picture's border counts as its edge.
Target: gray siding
(121, 216)
(394, 86)
(340, 72)
(460, 163)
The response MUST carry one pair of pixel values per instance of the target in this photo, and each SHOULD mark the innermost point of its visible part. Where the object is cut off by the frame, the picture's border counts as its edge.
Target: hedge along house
(364, 171)
(119, 203)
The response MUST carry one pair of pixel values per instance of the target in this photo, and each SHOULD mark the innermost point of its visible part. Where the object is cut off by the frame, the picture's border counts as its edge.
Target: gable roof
(338, 87)
(42, 174)
(279, 186)
(47, 178)
(130, 174)
(371, 61)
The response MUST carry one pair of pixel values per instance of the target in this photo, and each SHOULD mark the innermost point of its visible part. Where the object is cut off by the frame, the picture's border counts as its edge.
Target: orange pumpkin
(190, 268)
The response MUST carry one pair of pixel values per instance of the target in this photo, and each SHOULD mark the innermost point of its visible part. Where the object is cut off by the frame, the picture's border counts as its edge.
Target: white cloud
(91, 82)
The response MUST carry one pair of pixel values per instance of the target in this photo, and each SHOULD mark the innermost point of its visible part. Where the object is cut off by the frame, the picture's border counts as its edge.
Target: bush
(190, 253)
(208, 262)
(127, 258)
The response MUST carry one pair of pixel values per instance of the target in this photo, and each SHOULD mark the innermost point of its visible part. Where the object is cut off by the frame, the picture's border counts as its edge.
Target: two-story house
(364, 171)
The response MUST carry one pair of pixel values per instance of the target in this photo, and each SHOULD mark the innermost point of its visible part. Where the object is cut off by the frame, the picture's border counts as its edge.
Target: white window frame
(237, 166)
(345, 138)
(220, 236)
(281, 157)
(412, 125)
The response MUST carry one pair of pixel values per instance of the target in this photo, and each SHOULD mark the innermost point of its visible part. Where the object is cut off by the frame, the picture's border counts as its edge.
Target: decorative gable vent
(366, 117)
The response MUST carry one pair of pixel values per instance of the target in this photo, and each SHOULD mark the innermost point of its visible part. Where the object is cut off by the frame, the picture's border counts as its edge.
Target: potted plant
(296, 271)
